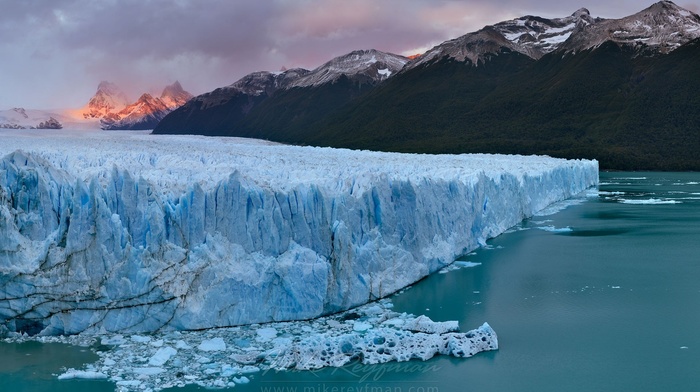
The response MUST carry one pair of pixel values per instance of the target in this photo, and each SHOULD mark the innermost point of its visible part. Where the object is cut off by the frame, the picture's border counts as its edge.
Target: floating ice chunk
(157, 343)
(649, 201)
(140, 339)
(82, 374)
(182, 345)
(215, 344)
(553, 229)
(425, 324)
(265, 334)
(466, 264)
(162, 356)
(241, 380)
(359, 326)
(383, 345)
(148, 371)
(115, 340)
(395, 322)
(333, 323)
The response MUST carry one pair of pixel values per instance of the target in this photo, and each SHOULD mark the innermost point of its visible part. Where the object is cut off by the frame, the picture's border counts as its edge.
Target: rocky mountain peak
(581, 13)
(660, 28)
(532, 36)
(109, 98)
(367, 66)
(174, 95)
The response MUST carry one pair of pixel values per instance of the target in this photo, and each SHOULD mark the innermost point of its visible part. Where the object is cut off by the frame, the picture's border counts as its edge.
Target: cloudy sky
(53, 53)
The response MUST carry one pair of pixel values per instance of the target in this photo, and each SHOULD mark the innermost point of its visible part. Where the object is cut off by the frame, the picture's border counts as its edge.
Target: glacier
(133, 233)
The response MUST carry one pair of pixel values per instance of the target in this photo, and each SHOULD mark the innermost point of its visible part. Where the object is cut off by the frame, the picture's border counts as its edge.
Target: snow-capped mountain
(227, 107)
(147, 111)
(109, 98)
(253, 85)
(532, 36)
(21, 118)
(367, 66)
(536, 36)
(174, 96)
(662, 28)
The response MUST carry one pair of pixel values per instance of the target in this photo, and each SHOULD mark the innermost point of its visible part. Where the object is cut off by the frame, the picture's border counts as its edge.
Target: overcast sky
(53, 53)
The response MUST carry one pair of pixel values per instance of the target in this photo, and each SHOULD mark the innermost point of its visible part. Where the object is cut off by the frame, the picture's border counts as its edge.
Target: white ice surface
(128, 232)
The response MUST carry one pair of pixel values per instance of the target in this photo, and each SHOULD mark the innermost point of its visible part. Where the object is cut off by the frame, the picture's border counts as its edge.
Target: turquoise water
(31, 367)
(606, 300)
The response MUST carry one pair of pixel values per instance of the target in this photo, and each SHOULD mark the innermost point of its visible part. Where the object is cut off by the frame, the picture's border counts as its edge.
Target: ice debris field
(127, 233)
(224, 357)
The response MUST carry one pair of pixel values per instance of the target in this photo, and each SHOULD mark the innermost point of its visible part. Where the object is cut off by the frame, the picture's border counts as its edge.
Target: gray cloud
(67, 46)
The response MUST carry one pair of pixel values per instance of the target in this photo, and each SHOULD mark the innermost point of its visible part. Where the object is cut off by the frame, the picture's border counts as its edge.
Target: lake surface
(602, 296)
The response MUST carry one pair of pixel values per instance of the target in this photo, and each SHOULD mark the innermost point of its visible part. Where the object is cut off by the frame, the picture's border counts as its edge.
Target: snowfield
(126, 232)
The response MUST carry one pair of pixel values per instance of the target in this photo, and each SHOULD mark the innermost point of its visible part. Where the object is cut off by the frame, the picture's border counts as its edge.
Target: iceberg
(135, 233)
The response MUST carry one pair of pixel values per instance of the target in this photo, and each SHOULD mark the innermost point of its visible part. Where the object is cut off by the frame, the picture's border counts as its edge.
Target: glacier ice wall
(96, 242)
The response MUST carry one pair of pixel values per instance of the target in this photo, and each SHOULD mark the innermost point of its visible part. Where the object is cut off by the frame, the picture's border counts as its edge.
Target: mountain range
(109, 108)
(624, 91)
(115, 112)
(20, 118)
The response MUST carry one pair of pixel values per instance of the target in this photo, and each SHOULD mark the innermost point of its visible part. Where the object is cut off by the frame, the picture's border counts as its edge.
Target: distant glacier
(129, 232)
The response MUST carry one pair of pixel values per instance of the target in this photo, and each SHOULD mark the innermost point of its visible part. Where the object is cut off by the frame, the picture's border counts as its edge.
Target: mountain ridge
(572, 87)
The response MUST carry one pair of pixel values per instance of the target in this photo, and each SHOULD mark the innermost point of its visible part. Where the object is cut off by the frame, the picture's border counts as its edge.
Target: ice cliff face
(189, 233)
